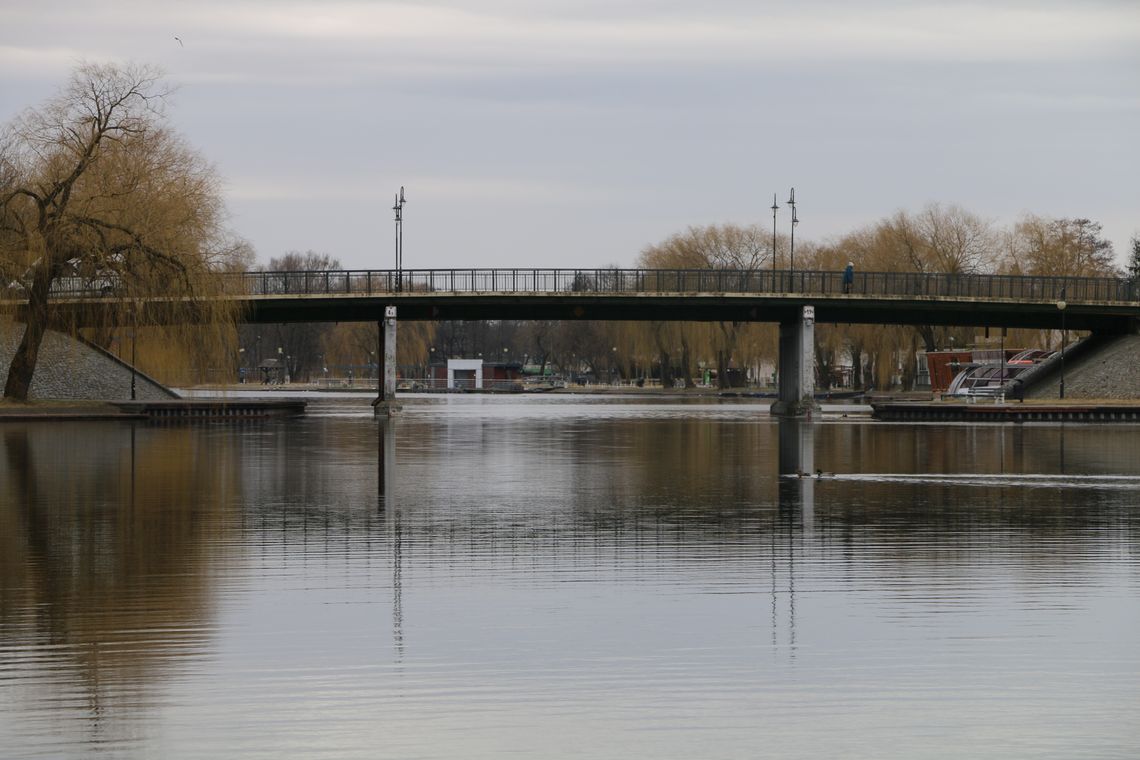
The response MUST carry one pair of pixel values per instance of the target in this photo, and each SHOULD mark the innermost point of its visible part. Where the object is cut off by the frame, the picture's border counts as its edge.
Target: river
(553, 576)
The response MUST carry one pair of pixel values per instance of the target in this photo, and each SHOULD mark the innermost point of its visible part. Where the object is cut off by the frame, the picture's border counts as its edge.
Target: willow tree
(724, 246)
(95, 187)
(937, 240)
(1061, 247)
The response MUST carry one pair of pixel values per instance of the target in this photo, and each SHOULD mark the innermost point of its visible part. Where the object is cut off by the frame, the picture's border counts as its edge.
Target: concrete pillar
(796, 397)
(385, 403)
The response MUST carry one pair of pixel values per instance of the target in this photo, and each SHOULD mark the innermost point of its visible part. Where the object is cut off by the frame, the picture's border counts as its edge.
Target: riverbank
(62, 410)
(181, 409)
(1037, 410)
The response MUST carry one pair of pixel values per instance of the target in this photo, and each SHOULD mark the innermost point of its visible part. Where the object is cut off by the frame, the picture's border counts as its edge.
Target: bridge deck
(1102, 304)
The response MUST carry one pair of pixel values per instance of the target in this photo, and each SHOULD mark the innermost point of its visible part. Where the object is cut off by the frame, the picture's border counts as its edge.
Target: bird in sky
(179, 40)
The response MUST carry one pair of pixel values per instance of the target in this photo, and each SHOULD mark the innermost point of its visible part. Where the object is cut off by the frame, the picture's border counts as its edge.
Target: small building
(272, 372)
(475, 374)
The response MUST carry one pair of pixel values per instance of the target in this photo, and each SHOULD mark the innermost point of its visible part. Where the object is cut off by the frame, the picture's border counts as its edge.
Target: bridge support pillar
(796, 397)
(385, 403)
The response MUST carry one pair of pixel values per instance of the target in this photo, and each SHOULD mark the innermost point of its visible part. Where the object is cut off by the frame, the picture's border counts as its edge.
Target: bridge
(794, 299)
(1095, 304)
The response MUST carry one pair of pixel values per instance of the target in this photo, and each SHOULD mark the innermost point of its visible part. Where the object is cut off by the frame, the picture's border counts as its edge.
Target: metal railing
(635, 281)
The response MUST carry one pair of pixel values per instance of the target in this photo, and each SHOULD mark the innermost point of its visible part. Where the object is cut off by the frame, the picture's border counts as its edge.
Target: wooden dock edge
(1004, 412)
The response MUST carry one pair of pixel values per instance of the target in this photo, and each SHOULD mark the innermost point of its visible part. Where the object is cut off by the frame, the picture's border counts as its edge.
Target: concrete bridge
(793, 299)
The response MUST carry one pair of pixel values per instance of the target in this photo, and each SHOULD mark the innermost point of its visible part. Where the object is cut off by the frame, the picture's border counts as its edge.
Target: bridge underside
(693, 308)
(1101, 317)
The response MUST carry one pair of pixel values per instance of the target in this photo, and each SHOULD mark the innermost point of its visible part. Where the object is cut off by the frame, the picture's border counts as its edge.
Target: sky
(573, 133)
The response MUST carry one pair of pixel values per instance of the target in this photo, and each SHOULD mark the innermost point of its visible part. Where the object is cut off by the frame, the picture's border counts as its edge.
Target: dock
(1098, 412)
(166, 411)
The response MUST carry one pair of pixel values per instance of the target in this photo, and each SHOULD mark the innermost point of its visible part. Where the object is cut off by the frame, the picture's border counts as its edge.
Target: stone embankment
(1109, 371)
(71, 369)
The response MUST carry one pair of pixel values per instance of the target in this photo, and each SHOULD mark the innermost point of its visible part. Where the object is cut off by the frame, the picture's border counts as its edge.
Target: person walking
(848, 276)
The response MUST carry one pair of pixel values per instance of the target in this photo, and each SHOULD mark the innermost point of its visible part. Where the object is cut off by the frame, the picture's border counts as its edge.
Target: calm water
(550, 577)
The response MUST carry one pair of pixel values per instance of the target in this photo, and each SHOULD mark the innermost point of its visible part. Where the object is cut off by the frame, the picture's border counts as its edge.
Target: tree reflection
(109, 542)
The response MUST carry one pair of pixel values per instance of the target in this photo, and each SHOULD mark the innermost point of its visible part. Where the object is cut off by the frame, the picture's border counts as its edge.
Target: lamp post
(1002, 383)
(1064, 339)
(775, 206)
(795, 221)
(134, 360)
(399, 209)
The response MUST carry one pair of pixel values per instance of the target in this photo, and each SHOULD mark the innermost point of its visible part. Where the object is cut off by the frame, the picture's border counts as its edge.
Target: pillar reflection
(796, 466)
(385, 462)
(386, 480)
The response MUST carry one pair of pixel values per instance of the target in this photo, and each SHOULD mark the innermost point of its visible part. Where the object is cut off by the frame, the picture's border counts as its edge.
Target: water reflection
(386, 474)
(797, 468)
(449, 584)
(385, 461)
(110, 537)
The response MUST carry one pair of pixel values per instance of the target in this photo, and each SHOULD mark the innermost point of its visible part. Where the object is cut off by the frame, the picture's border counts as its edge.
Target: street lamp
(399, 209)
(1064, 339)
(774, 207)
(795, 221)
(1003, 365)
(134, 358)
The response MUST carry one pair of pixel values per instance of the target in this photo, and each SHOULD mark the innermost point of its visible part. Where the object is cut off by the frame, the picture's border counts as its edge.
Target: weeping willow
(111, 224)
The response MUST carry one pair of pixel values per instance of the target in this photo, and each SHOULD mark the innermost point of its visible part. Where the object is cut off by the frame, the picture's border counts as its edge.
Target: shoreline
(259, 402)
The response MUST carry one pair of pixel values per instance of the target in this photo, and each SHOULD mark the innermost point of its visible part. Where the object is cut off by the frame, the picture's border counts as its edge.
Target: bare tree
(95, 186)
(714, 247)
(298, 346)
(945, 239)
(1133, 265)
(1073, 247)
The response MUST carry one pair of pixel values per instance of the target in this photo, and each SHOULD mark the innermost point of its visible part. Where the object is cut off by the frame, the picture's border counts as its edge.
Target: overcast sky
(572, 133)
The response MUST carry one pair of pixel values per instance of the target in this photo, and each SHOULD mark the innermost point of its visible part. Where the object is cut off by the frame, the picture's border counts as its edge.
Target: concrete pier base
(796, 397)
(385, 404)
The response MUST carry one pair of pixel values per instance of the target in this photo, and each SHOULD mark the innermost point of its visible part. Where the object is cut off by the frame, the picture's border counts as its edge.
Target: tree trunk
(687, 365)
(666, 370)
(24, 360)
(926, 332)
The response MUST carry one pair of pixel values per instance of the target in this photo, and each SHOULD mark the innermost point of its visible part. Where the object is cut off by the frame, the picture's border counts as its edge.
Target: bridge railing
(619, 281)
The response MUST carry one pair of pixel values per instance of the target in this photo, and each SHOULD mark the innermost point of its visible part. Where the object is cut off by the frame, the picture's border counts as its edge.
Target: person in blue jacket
(848, 276)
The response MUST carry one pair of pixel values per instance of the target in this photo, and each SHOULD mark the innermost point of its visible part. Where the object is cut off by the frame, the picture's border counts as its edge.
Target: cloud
(339, 41)
(602, 117)
(520, 191)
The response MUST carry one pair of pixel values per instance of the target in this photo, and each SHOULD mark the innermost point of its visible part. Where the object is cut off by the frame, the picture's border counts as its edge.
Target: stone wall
(74, 369)
(1112, 371)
